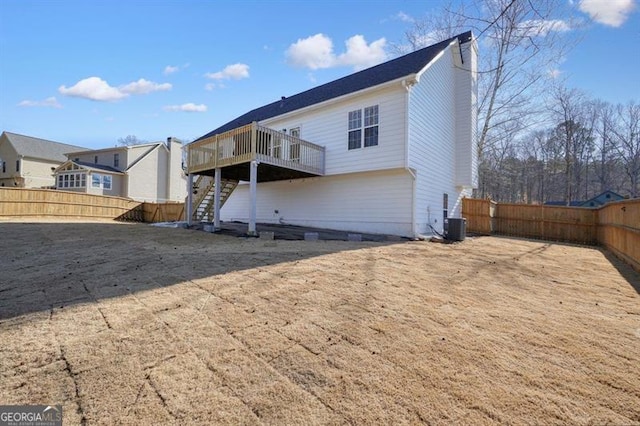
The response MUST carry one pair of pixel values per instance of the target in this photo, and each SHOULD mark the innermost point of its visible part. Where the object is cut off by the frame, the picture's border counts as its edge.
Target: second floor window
(363, 132)
(116, 160)
(17, 165)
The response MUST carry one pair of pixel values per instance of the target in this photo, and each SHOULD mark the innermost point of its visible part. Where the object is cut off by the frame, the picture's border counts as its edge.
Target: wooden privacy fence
(47, 202)
(615, 225)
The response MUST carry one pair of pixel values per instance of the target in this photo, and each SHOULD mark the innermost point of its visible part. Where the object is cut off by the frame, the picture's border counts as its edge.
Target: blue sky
(90, 72)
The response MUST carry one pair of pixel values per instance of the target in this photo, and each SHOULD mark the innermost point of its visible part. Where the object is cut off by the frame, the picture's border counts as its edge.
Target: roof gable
(31, 147)
(408, 64)
(83, 165)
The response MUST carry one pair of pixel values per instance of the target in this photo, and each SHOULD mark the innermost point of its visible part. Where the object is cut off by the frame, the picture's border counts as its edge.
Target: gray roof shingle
(28, 146)
(100, 167)
(391, 70)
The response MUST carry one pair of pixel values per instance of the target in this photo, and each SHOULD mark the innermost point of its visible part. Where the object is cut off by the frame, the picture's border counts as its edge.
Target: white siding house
(393, 139)
(150, 172)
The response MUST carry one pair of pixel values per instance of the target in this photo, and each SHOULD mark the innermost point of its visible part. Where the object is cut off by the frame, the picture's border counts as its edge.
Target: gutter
(408, 83)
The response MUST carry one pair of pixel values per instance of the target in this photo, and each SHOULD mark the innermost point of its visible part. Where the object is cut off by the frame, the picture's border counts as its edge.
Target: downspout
(408, 84)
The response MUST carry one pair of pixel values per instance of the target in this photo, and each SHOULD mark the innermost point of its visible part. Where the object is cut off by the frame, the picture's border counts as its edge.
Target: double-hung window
(355, 129)
(363, 132)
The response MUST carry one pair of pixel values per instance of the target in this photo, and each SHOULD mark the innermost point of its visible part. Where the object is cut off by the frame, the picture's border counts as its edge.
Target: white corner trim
(435, 59)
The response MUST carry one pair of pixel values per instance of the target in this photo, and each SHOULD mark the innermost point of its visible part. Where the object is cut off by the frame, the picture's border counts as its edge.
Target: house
(384, 150)
(28, 162)
(150, 172)
(597, 201)
(602, 199)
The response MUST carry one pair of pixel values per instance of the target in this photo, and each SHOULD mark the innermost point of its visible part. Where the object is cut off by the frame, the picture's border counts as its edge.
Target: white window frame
(294, 147)
(107, 182)
(360, 122)
(96, 180)
(71, 180)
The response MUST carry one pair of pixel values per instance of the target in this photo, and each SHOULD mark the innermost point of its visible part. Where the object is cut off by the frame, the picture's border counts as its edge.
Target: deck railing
(255, 142)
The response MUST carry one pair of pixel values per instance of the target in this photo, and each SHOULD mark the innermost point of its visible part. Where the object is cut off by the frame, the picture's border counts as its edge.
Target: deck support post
(253, 192)
(189, 198)
(216, 198)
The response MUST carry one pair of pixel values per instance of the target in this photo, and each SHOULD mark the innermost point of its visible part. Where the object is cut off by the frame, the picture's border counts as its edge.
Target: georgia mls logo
(30, 415)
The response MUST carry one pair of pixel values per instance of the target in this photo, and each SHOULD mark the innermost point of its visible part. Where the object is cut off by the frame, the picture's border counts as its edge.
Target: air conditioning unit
(457, 229)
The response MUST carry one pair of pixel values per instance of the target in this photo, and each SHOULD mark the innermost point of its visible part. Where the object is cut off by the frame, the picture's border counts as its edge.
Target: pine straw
(133, 324)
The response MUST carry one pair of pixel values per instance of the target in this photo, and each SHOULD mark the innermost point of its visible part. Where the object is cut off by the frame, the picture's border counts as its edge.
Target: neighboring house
(597, 201)
(150, 172)
(602, 199)
(27, 162)
(376, 151)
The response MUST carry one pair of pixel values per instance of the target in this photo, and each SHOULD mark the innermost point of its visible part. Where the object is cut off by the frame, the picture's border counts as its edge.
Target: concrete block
(311, 236)
(354, 237)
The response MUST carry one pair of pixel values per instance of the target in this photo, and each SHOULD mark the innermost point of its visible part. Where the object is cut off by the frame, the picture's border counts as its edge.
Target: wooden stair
(204, 199)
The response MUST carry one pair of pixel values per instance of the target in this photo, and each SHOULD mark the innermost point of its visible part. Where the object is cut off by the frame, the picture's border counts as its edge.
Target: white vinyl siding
(105, 157)
(328, 126)
(374, 202)
(466, 114)
(432, 151)
(147, 178)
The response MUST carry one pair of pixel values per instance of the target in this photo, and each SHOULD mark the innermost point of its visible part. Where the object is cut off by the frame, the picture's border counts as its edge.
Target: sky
(90, 72)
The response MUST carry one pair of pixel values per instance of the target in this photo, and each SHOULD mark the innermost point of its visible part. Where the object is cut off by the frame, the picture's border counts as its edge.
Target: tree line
(593, 146)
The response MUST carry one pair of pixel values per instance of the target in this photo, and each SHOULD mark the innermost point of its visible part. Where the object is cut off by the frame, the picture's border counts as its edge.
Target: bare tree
(576, 117)
(521, 43)
(626, 133)
(130, 140)
(605, 152)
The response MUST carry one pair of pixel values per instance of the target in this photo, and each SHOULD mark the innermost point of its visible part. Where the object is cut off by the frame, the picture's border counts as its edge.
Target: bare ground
(132, 324)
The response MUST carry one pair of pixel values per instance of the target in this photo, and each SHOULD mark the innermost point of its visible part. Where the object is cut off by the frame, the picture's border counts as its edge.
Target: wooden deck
(253, 142)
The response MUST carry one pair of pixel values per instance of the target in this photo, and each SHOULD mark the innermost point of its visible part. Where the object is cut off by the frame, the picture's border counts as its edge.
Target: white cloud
(360, 55)
(212, 86)
(404, 17)
(312, 52)
(230, 72)
(97, 89)
(50, 102)
(93, 88)
(555, 73)
(170, 70)
(143, 87)
(608, 12)
(188, 107)
(540, 27)
(316, 52)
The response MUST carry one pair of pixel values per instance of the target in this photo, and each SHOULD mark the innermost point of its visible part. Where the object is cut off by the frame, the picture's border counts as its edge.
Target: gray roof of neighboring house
(97, 167)
(411, 63)
(28, 146)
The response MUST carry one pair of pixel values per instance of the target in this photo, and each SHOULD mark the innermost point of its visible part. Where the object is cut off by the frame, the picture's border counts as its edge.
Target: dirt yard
(133, 324)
